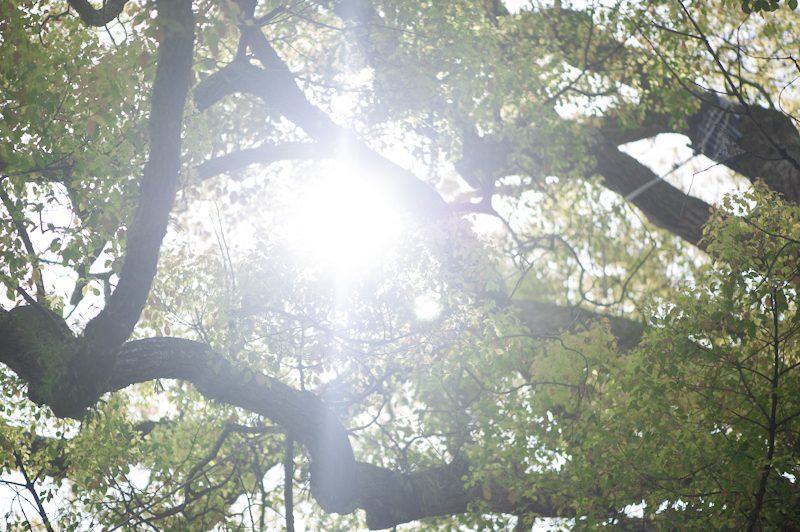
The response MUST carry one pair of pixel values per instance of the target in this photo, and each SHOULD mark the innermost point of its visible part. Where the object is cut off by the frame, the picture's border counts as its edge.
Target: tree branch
(301, 413)
(664, 205)
(728, 134)
(100, 16)
(338, 482)
(266, 154)
(19, 224)
(159, 182)
(546, 319)
(275, 85)
(30, 484)
(751, 152)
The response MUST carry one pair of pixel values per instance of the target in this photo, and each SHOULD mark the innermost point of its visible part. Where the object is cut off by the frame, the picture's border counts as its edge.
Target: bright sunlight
(343, 219)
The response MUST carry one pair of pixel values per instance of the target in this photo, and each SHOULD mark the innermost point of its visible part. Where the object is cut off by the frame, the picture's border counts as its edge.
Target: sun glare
(343, 219)
(427, 307)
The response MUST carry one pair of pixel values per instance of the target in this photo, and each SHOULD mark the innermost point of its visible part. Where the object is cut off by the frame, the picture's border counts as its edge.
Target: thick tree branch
(333, 481)
(664, 205)
(100, 16)
(724, 132)
(546, 320)
(760, 144)
(159, 182)
(266, 154)
(392, 498)
(338, 482)
(275, 85)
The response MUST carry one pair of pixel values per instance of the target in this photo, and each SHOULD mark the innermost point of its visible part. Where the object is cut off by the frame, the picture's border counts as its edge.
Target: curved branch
(100, 16)
(112, 326)
(338, 482)
(275, 86)
(333, 476)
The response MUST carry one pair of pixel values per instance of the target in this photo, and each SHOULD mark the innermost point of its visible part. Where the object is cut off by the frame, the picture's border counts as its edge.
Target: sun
(343, 219)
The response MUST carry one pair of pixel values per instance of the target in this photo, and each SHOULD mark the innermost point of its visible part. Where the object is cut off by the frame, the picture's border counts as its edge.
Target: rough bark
(763, 143)
(757, 142)
(664, 205)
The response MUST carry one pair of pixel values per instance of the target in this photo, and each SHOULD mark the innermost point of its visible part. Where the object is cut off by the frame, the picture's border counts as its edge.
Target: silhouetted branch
(97, 16)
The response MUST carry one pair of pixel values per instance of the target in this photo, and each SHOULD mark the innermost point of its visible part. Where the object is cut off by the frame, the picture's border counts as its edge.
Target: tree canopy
(341, 264)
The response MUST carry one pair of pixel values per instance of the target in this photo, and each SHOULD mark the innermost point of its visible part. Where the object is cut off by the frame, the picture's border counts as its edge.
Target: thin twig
(31, 487)
(288, 483)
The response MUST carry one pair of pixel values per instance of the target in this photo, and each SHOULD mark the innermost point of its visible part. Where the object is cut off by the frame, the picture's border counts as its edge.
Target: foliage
(762, 5)
(529, 328)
